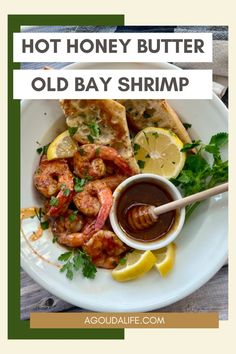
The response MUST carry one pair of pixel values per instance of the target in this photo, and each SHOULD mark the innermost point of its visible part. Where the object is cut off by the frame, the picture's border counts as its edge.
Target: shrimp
(54, 177)
(105, 249)
(96, 199)
(67, 229)
(88, 161)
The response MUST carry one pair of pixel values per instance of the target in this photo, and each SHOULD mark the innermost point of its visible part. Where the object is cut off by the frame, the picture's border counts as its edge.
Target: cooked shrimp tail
(89, 161)
(54, 178)
(105, 198)
(62, 203)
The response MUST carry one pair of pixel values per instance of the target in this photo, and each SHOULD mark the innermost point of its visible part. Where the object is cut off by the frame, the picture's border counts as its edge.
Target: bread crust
(109, 116)
(157, 113)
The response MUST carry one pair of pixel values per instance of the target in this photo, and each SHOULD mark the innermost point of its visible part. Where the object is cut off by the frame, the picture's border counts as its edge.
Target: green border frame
(17, 328)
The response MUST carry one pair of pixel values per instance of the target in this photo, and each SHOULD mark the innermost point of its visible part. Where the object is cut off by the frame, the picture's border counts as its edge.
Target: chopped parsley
(72, 130)
(136, 148)
(81, 151)
(40, 215)
(90, 139)
(73, 215)
(187, 125)
(141, 164)
(146, 136)
(66, 191)
(97, 152)
(79, 184)
(95, 130)
(155, 135)
(42, 149)
(54, 201)
(77, 260)
(189, 146)
(122, 261)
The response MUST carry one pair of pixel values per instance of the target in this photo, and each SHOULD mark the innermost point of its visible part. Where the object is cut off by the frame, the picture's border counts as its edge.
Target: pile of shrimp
(80, 219)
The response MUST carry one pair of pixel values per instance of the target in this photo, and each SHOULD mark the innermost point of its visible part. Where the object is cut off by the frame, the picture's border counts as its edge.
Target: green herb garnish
(54, 201)
(97, 152)
(90, 139)
(189, 146)
(44, 225)
(72, 130)
(155, 135)
(187, 125)
(40, 215)
(43, 149)
(72, 216)
(197, 174)
(76, 260)
(66, 191)
(136, 148)
(95, 131)
(79, 184)
(122, 261)
(141, 164)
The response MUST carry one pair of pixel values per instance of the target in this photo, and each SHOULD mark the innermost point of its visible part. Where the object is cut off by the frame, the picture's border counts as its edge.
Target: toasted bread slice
(103, 122)
(156, 113)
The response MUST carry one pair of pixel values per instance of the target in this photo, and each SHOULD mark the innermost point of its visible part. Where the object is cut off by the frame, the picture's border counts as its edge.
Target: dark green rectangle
(18, 329)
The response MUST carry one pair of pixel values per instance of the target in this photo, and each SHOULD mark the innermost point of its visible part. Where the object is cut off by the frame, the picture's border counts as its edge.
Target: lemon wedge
(62, 146)
(158, 151)
(165, 259)
(136, 264)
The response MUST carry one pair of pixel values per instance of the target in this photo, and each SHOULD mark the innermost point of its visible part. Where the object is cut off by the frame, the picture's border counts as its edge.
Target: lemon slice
(165, 259)
(136, 264)
(62, 146)
(157, 150)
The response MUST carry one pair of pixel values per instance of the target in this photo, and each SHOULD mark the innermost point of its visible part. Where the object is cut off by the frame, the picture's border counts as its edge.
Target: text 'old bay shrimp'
(88, 161)
(54, 178)
(96, 200)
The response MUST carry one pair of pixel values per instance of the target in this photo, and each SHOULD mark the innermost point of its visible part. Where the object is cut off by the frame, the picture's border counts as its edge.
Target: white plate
(201, 247)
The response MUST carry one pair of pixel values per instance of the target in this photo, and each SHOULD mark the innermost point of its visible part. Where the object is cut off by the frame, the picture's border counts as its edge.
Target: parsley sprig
(77, 260)
(198, 174)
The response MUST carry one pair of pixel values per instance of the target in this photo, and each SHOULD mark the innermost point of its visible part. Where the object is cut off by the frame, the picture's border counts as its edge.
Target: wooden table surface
(213, 296)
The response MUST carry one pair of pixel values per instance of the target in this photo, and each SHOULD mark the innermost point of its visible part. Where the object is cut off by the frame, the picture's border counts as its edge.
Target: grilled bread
(102, 122)
(155, 113)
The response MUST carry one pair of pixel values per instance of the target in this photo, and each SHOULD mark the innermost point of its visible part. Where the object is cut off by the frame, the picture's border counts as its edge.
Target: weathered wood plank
(213, 296)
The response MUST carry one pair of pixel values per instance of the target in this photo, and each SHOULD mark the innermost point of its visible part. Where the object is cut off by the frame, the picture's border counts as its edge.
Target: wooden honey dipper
(142, 216)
